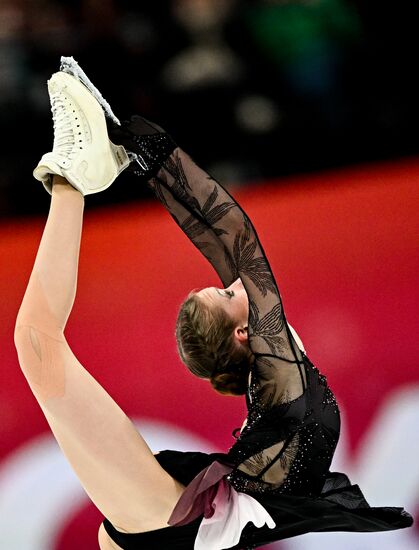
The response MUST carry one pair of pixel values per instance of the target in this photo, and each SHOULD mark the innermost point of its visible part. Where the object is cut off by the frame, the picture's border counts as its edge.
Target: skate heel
(120, 157)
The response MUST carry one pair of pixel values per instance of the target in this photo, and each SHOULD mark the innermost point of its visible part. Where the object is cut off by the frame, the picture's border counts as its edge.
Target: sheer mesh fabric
(221, 230)
(270, 467)
(224, 234)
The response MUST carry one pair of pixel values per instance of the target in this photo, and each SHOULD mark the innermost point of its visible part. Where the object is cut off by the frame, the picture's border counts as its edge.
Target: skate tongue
(69, 65)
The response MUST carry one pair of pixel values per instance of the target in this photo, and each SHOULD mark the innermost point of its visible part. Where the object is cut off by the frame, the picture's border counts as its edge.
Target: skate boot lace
(64, 135)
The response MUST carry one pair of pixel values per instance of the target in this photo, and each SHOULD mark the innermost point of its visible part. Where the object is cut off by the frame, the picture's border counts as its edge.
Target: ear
(241, 334)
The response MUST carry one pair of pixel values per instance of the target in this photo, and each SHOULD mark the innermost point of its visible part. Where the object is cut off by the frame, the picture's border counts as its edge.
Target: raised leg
(112, 460)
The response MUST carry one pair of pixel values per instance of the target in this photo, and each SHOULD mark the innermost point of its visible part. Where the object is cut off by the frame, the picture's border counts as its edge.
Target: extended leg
(111, 459)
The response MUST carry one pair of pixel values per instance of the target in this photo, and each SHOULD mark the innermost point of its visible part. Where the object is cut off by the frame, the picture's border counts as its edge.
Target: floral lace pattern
(275, 437)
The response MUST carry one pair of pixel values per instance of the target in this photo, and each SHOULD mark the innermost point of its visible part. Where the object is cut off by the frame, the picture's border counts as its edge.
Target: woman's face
(232, 299)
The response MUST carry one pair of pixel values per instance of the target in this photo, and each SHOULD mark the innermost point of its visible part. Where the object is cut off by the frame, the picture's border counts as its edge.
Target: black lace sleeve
(197, 221)
(222, 231)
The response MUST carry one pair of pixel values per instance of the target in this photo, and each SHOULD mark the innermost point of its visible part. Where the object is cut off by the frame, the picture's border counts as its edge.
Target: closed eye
(227, 293)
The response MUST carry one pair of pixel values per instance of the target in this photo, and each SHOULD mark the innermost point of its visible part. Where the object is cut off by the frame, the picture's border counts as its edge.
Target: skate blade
(70, 66)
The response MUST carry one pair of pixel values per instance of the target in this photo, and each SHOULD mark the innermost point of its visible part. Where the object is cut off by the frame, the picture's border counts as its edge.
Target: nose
(237, 285)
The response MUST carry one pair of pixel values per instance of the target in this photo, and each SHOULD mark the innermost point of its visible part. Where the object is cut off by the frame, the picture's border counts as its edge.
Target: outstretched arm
(222, 231)
(218, 226)
(158, 162)
(193, 223)
(203, 208)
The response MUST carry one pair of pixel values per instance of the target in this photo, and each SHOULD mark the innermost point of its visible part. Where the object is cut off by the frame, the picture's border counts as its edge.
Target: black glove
(149, 143)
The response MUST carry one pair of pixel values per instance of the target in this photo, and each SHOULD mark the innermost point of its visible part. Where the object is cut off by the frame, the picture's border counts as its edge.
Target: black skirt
(339, 507)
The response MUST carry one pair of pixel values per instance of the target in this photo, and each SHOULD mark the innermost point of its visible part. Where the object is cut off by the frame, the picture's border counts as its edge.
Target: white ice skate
(82, 151)
(70, 66)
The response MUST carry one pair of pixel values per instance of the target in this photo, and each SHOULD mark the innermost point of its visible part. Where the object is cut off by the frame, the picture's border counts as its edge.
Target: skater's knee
(25, 337)
(41, 358)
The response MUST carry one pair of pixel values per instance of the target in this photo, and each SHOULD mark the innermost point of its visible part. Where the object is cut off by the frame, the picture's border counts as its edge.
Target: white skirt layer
(233, 511)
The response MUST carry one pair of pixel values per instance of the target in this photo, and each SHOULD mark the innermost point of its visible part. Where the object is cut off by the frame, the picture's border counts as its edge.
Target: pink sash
(226, 512)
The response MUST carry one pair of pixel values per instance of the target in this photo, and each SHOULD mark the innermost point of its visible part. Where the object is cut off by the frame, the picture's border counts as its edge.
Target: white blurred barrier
(39, 492)
(387, 470)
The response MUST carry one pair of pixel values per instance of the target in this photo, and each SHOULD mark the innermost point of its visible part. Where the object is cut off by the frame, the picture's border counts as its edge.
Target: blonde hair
(206, 345)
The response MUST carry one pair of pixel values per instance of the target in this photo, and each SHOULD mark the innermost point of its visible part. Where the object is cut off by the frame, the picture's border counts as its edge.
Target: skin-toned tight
(112, 461)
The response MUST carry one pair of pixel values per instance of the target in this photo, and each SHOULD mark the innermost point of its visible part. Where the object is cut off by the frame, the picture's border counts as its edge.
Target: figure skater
(274, 482)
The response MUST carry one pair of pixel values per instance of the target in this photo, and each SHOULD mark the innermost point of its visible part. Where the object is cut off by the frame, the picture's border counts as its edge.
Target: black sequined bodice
(309, 426)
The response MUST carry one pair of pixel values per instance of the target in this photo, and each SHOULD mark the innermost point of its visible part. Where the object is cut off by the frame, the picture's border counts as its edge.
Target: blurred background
(307, 111)
(253, 89)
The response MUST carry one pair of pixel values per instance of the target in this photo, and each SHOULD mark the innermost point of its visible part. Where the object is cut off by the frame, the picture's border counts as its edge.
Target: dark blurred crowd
(251, 89)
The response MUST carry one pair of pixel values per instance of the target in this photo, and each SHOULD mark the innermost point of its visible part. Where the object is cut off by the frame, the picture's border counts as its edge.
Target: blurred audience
(253, 89)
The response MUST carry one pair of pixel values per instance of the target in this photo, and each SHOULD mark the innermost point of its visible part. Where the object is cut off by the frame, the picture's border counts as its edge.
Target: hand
(147, 142)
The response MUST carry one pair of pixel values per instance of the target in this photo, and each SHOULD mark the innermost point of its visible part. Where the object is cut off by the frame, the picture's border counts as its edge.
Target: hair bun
(234, 383)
